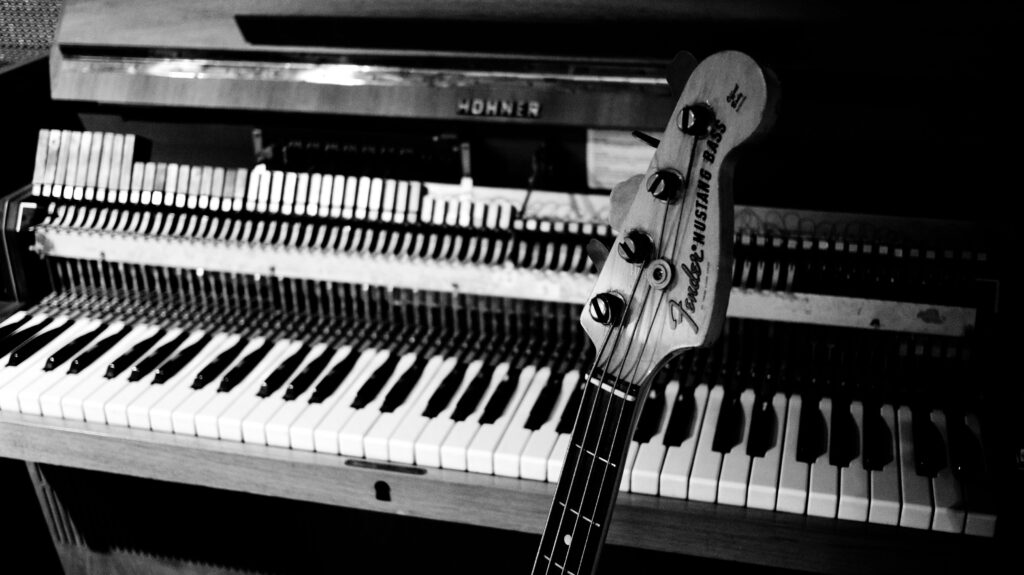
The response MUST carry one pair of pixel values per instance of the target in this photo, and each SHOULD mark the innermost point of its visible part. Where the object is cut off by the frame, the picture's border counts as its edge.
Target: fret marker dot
(567, 539)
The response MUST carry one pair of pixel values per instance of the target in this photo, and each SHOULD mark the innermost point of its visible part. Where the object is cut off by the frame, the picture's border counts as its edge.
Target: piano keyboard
(430, 395)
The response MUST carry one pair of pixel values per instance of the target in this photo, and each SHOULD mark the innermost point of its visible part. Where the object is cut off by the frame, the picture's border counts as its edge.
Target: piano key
(72, 402)
(707, 463)
(534, 409)
(496, 421)
(325, 434)
(179, 360)
(173, 389)
(732, 481)
(929, 448)
(228, 414)
(950, 515)
(12, 323)
(219, 365)
(41, 340)
(854, 478)
(377, 381)
(650, 456)
(350, 437)
(160, 413)
(115, 407)
(304, 379)
(823, 488)
(17, 378)
(266, 405)
(794, 474)
(183, 416)
(37, 323)
(454, 449)
(675, 472)
(763, 487)
(427, 444)
(376, 441)
(284, 371)
(915, 490)
(981, 516)
(130, 356)
(885, 482)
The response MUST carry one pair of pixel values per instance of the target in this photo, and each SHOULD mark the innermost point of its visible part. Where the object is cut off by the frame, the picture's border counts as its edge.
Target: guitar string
(588, 383)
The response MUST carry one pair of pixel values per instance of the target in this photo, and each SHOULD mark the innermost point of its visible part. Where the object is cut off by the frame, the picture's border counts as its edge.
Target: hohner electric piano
(291, 287)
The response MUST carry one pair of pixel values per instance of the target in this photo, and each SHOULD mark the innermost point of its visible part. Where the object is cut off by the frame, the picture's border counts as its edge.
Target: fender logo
(500, 108)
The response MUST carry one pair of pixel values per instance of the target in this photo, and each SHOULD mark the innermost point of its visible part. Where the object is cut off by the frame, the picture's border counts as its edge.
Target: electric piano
(265, 265)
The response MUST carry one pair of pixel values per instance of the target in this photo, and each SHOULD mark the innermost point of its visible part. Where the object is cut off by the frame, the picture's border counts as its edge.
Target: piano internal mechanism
(288, 262)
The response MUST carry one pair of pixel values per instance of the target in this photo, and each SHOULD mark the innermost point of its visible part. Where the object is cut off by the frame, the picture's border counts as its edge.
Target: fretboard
(585, 496)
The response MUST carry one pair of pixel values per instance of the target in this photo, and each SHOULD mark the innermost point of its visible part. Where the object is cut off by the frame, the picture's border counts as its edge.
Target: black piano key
(729, 428)
(74, 346)
(966, 457)
(276, 379)
(337, 374)
(132, 355)
(929, 449)
(812, 439)
(844, 442)
(17, 338)
(219, 364)
(301, 382)
(172, 366)
(762, 428)
(502, 395)
(244, 367)
(32, 346)
(89, 356)
(403, 387)
(545, 404)
(650, 416)
(568, 418)
(159, 355)
(473, 394)
(376, 382)
(681, 420)
(877, 448)
(10, 328)
(446, 391)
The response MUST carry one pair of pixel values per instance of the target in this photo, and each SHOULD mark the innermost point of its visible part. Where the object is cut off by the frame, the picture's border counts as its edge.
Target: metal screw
(606, 308)
(636, 247)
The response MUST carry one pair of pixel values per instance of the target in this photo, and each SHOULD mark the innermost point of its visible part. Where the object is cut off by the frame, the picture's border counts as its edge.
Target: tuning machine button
(695, 120)
(665, 185)
(636, 247)
(606, 308)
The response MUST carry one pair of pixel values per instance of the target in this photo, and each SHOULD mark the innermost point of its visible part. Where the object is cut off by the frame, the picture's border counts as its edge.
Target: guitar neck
(582, 508)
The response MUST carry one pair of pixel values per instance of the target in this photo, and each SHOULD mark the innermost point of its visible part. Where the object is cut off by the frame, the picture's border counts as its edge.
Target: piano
(291, 288)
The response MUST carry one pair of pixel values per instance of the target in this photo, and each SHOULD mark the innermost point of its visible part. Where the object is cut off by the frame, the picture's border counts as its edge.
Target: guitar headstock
(665, 285)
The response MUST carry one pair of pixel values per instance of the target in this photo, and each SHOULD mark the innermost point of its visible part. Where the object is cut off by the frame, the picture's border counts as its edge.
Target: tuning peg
(606, 308)
(636, 247)
(598, 253)
(695, 120)
(665, 185)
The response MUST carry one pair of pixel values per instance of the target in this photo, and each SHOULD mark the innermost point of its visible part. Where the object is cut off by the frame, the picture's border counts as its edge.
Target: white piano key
(950, 515)
(183, 415)
(401, 442)
(733, 480)
(556, 459)
(72, 403)
(325, 435)
(509, 450)
(350, 437)
(885, 505)
(29, 398)
(427, 446)
(454, 450)
(480, 456)
(13, 379)
(115, 406)
(646, 467)
(823, 490)
(234, 406)
(707, 463)
(674, 480)
(301, 431)
(375, 440)
(853, 480)
(255, 421)
(161, 413)
(794, 474)
(763, 487)
(981, 518)
(915, 489)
